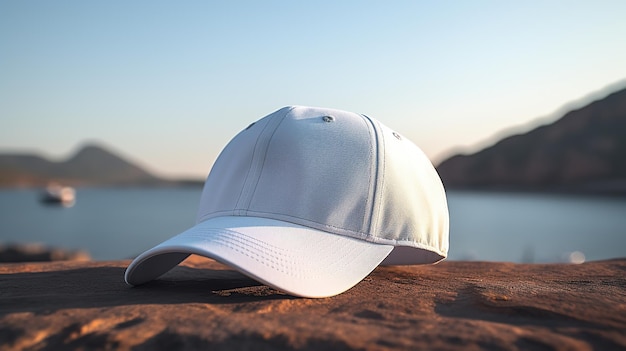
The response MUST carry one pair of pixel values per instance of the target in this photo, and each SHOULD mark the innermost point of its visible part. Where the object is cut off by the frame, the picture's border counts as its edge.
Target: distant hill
(91, 165)
(585, 150)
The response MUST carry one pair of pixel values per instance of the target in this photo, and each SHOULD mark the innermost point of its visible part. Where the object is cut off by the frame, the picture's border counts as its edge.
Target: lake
(120, 223)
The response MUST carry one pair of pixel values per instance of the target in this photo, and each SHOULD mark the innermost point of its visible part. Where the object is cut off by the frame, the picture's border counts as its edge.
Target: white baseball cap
(309, 201)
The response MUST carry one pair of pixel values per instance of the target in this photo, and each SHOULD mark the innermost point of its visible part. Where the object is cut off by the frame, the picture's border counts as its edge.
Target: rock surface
(205, 305)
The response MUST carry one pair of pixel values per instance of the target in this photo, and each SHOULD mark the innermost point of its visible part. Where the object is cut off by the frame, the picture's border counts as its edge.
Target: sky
(168, 83)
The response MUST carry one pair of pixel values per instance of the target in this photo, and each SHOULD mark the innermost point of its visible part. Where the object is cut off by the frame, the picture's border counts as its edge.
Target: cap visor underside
(295, 259)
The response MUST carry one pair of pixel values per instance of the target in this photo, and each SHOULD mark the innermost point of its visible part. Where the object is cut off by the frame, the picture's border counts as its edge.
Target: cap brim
(295, 259)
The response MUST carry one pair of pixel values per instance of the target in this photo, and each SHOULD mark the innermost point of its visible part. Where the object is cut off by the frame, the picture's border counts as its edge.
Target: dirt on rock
(203, 304)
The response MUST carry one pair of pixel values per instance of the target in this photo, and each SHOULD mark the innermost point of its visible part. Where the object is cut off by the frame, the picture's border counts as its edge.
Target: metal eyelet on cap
(328, 119)
(397, 135)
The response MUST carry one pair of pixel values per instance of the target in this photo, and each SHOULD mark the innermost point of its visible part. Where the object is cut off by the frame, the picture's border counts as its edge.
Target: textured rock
(205, 305)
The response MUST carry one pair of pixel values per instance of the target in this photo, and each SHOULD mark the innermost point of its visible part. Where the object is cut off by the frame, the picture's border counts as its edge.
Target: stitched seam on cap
(352, 234)
(218, 214)
(371, 192)
(380, 175)
(246, 251)
(237, 208)
(380, 185)
(258, 170)
(252, 248)
(299, 221)
(248, 246)
(256, 242)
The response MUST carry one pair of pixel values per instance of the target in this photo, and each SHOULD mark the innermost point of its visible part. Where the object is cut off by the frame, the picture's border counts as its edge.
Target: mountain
(584, 150)
(91, 165)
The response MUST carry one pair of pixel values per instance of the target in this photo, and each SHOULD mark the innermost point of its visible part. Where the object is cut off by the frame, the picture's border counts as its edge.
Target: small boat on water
(57, 194)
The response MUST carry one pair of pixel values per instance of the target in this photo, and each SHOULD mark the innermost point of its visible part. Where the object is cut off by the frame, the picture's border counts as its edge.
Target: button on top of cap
(328, 119)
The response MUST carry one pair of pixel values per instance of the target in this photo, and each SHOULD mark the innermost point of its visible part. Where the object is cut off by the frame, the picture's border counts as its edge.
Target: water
(536, 227)
(115, 224)
(108, 223)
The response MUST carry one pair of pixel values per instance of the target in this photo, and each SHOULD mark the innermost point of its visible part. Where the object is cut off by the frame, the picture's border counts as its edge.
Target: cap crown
(335, 171)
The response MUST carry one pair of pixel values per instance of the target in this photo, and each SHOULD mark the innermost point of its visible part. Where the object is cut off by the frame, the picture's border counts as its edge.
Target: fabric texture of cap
(310, 201)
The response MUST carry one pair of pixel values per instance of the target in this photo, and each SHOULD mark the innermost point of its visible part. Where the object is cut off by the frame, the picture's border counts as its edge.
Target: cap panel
(235, 169)
(318, 172)
(413, 209)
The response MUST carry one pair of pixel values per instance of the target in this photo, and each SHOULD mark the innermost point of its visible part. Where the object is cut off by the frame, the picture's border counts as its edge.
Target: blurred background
(113, 112)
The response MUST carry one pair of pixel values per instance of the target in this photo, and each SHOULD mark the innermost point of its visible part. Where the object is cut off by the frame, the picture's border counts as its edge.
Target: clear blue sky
(168, 83)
